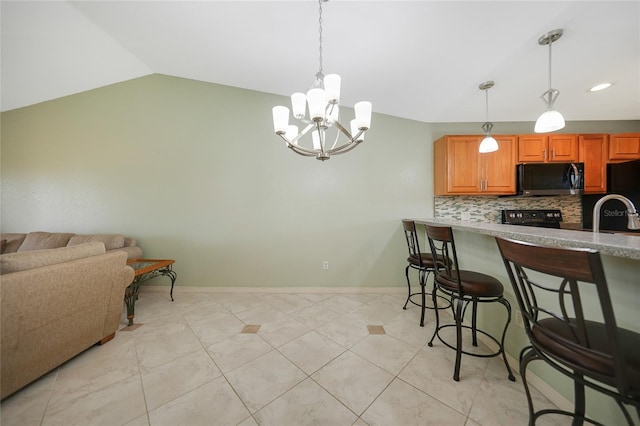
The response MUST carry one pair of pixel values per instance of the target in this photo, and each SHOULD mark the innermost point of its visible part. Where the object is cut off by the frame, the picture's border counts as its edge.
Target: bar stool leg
(579, 403)
(406, 274)
(458, 318)
(422, 284)
(507, 305)
(435, 330)
(527, 354)
(474, 316)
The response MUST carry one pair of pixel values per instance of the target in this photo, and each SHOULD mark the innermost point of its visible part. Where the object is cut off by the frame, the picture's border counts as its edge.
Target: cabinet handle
(544, 154)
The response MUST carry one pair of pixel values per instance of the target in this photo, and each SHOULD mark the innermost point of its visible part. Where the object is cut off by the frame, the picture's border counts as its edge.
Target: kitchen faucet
(632, 214)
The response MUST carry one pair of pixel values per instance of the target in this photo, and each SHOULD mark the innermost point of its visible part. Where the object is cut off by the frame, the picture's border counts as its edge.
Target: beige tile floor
(305, 359)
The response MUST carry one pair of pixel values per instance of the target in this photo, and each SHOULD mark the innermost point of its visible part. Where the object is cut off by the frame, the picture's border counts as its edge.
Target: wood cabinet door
(532, 148)
(624, 146)
(499, 167)
(593, 150)
(462, 164)
(563, 148)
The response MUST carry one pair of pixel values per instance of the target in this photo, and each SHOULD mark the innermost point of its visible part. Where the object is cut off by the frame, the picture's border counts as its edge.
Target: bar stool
(423, 263)
(464, 288)
(579, 341)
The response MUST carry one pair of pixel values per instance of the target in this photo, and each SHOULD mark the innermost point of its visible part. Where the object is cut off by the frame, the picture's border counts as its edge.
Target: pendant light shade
(488, 144)
(550, 120)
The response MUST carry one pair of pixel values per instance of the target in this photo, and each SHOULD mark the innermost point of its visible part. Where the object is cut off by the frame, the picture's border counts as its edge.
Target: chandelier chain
(321, 72)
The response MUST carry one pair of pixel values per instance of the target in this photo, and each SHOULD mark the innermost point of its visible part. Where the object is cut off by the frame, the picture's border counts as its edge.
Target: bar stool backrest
(413, 244)
(549, 283)
(444, 249)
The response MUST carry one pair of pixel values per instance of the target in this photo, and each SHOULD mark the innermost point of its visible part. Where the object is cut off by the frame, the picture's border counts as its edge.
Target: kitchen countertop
(619, 245)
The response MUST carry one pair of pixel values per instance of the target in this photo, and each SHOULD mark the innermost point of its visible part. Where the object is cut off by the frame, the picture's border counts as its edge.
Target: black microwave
(550, 179)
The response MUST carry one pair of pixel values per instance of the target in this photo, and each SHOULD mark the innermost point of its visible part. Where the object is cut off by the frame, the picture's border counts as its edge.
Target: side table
(145, 269)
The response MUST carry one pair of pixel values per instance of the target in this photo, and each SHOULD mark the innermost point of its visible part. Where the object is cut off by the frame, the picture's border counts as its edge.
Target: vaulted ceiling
(420, 60)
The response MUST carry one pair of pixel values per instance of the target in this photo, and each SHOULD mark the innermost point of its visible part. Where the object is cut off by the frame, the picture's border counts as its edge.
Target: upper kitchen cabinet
(593, 151)
(624, 146)
(459, 169)
(538, 148)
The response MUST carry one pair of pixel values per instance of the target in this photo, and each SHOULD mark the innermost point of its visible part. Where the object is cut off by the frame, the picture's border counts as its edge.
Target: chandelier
(550, 120)
(327, 133)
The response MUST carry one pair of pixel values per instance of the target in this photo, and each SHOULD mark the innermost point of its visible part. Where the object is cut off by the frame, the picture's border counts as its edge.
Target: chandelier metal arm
(304, 153)
(344, 148)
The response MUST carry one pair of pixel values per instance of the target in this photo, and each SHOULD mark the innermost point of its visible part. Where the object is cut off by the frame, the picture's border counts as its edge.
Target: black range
(545, 218)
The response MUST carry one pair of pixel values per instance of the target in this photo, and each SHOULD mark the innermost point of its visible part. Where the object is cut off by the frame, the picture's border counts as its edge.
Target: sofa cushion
(111, 241)
(14, 262)
(14, 241)
(44, 240)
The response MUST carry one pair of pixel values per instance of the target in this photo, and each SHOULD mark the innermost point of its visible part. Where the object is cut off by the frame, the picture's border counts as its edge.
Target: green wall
(194, 171)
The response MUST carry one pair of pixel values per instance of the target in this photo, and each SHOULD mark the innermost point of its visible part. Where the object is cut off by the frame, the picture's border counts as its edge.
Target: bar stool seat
(472, 283)
(596, 359)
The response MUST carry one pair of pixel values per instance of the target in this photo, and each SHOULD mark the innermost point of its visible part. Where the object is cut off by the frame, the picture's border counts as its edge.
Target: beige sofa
(54, 304)
(16, 242)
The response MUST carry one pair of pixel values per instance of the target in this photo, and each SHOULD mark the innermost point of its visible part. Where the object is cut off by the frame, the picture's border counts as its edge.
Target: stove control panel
(524, 217)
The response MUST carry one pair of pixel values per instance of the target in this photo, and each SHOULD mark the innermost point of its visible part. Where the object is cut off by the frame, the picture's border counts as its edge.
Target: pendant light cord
(550, 85)
(486, 98)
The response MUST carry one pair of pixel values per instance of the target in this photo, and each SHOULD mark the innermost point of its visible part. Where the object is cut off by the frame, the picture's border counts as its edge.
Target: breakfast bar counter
(620, 254)
(612, 244)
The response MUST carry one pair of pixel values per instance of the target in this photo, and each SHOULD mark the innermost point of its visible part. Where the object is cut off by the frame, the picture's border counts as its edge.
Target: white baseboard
(304, 290)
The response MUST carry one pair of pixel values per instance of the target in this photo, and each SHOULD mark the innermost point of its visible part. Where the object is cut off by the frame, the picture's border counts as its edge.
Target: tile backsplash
(487, 208)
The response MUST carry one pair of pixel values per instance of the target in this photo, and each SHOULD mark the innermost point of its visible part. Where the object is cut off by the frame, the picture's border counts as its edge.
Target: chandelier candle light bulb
(322, 100)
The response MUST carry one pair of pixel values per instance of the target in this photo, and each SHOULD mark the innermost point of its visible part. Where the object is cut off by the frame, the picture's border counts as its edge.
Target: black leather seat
(464, 288)
(578, 340)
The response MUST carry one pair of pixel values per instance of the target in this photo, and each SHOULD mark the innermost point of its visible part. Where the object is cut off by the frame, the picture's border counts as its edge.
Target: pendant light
(488, 144)
(550, 120)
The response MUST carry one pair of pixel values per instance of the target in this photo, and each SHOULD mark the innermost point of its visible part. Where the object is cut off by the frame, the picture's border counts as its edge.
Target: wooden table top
(143, 266)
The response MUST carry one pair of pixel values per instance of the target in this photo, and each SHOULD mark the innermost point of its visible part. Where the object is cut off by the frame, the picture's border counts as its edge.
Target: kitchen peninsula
(614, 244)
(620, 254)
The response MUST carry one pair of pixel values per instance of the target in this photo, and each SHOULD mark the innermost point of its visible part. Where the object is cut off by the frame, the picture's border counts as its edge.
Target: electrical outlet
(519, 321)
(465, 216)
(325, 264)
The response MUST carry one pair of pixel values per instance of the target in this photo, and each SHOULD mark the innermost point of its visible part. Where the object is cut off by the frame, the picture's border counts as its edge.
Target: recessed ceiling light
(599, 87)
